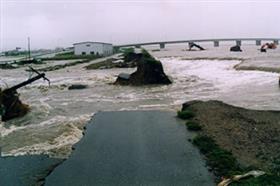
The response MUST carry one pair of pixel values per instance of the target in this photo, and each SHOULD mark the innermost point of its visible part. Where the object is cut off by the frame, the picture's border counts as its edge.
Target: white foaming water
(69, 132)
(58, 115)
(219, 80)
(57, 120)
(65, 140)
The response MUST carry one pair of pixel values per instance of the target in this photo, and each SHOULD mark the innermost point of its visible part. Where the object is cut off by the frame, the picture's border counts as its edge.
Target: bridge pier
(137, 46)
(276, 42)
(216, 43)
(258, 42)
(238, 42)
(162, 45)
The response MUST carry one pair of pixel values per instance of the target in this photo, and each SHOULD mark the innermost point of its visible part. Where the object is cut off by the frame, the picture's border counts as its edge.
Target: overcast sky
(52, 23)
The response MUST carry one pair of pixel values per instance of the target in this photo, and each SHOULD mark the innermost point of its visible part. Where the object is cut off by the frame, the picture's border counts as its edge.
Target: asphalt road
(26, 170)
(133, 148)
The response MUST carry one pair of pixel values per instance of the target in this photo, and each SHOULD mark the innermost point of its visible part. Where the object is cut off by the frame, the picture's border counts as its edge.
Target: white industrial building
(93, 48)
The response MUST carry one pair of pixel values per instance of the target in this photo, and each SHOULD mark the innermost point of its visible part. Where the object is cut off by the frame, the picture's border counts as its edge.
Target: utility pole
(29, 54)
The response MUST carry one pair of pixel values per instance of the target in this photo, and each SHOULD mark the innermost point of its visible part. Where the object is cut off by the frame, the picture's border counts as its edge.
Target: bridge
(216, 42)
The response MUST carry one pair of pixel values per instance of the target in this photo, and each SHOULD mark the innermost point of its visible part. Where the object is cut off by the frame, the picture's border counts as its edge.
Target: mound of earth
(251, 135)
(149, 71)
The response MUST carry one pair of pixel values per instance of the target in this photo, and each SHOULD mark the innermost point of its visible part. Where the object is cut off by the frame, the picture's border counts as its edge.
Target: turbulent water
(58, 115)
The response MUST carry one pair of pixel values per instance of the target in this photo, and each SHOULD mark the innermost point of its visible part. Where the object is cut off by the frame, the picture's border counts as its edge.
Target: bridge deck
(199, 40)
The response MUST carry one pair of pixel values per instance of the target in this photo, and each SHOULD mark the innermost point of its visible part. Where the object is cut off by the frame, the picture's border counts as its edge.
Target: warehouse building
(93, 48)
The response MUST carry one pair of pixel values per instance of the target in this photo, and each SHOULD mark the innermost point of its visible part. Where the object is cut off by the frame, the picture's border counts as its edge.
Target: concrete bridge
(216, 42)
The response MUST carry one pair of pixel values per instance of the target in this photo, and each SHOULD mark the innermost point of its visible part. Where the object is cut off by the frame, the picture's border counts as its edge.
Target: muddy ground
(251, 135)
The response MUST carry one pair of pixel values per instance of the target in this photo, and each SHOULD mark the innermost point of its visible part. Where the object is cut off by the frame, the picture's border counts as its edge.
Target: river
(58, 115)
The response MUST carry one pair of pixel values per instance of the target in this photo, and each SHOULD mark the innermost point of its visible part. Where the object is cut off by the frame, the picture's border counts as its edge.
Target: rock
(77, 86)
(149, 71)
(235, 48)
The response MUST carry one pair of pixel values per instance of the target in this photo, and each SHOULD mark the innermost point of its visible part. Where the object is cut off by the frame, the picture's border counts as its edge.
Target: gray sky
(52, 23)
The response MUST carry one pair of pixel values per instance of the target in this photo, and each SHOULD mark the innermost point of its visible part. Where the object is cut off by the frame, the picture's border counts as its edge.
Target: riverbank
(252, 136)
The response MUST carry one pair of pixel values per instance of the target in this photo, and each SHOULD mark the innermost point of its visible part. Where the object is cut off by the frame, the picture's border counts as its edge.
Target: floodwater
(58, 115)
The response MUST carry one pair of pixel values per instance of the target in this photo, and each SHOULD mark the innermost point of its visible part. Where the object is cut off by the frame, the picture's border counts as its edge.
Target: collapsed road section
(133, 148)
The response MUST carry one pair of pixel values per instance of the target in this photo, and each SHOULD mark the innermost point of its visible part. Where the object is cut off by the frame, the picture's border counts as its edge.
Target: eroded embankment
(252, 136)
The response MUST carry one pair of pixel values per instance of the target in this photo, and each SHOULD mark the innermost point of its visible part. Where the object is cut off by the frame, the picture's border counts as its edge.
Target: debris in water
(235, 48)
(10, 104)
(192, 44)
(77, 86)
(235, 178)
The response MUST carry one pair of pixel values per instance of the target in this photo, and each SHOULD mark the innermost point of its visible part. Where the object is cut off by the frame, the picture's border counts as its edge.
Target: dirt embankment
(251, 135)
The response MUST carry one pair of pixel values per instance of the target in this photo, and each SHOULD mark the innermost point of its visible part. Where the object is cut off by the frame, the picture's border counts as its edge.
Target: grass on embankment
(71, 55)
(222, 162)
(193, 126)
(64, 56)
(57, 67)
(68, 56)
(185, 114)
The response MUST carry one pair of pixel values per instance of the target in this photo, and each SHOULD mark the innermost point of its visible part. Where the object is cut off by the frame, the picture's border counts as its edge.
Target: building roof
(92, 42)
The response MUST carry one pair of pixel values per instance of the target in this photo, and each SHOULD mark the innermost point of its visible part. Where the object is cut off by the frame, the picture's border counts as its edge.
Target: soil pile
(149, 71)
